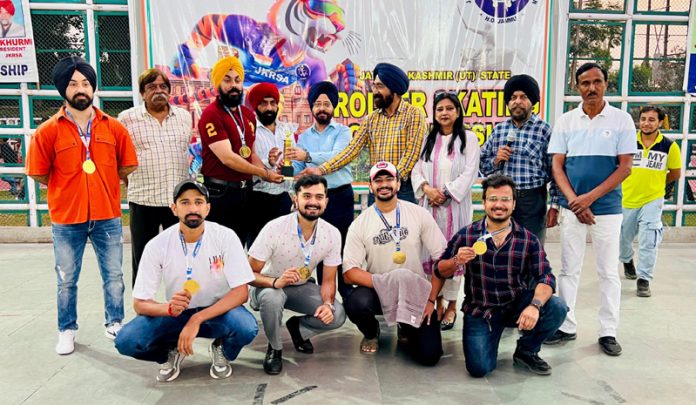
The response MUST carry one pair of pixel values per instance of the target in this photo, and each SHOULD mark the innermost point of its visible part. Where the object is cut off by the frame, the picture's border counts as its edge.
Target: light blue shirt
(322, 147)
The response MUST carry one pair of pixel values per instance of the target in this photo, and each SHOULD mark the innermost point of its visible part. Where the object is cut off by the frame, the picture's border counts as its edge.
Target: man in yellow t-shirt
(656, 164)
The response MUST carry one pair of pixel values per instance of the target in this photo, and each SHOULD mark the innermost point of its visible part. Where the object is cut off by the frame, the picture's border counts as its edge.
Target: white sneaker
(169, 371)
(66, 342)
(220, 367)
(112, 330)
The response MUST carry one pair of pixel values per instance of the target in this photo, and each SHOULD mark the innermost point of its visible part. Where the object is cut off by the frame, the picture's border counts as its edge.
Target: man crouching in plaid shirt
(507, 283)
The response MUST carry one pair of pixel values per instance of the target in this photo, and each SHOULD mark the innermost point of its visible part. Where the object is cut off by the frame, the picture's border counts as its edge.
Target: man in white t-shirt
(389, 235)
(205, 275)
(293, 245)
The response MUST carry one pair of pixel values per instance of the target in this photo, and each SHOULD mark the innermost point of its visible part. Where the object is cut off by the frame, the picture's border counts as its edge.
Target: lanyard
(393, 231)
(307, 249)
(85, 138)
(492, 234)
(241, 131)
(189, 261)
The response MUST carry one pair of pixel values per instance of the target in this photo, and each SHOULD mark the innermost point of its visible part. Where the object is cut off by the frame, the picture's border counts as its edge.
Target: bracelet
(169, 309)
(431, 301)
(274, 281)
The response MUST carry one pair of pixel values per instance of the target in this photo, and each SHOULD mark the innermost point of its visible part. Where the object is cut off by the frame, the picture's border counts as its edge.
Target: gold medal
(192, 286)
(88, 166)
(480, 247)
(399, 257)
(245, 151)
(305, 273)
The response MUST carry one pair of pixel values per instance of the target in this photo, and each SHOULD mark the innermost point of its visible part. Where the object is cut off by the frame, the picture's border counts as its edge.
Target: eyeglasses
(493, 199)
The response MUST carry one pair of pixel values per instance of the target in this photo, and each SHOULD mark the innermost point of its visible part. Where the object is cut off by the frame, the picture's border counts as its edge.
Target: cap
(190, 185)
(383, 167)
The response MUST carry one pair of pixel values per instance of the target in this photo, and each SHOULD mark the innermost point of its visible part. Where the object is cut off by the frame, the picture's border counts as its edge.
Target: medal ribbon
(85, 138)
(189, 261)
(307, 249)
(241, 131)
(487, 236)
(393, 231)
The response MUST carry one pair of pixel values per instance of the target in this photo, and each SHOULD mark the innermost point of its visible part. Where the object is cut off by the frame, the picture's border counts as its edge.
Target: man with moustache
(319, 144)
(518, 148)
(393, 132)
(508, 283)
(82, 155)
(161, 134)
(656, 164)
(392, 235)
(227, 136)
(205, 274)
(293, 245)
(593, 148)
(269, 200)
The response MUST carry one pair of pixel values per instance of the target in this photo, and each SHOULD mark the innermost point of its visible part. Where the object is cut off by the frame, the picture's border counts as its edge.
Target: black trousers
(424, 343)
(530, 211)
(267, 207)
(339, 213)
(231, 206)
(145, 222)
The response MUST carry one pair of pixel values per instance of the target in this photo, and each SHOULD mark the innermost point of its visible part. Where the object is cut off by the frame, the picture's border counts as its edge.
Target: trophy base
(287, 171)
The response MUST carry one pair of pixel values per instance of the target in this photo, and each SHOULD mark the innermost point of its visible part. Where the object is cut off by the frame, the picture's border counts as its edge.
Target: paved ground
(658, 365)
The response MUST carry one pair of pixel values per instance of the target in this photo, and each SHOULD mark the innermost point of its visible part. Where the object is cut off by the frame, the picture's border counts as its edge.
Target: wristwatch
(536, 304)
(308, 159)
(331, 306)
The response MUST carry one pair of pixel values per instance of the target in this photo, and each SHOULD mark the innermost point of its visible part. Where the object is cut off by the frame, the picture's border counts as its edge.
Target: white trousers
(606, 235)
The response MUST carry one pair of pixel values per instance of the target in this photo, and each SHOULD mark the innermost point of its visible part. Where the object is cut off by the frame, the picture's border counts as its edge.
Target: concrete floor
(658, 365)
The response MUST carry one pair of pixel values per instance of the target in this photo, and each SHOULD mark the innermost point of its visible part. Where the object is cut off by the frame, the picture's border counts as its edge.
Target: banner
(17, 50)
(469, 47)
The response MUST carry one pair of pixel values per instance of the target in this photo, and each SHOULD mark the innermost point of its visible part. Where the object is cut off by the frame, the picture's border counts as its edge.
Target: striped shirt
(530, 164)
(592, 147)
(495, 279)
(162, 154)
(396, 139)
(265, 141)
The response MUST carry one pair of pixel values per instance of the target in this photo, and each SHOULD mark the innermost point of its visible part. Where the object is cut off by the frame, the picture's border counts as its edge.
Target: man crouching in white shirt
(205, 274)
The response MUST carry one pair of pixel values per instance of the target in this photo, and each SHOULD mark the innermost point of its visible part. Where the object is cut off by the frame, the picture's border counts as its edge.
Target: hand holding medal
(190, 285)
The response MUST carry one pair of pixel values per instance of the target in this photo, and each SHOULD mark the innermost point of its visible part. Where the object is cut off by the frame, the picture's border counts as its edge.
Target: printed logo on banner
(502, 8)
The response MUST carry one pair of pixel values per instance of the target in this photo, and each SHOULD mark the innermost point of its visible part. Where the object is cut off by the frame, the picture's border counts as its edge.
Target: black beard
(385, 199)
(267, 118)
(310, 217)
(232, 99)
(193, 221)
(323, 121)
(384, 102)
(81, 104)
(496, 220)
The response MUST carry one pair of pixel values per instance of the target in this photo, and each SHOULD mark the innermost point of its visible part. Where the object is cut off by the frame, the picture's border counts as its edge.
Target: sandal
(369, 345)
(447, 325)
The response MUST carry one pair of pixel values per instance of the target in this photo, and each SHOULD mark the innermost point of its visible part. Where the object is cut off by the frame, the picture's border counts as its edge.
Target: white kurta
(456, 173)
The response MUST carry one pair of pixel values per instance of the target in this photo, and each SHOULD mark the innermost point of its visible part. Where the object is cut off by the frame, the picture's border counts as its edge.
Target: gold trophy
(287, 170)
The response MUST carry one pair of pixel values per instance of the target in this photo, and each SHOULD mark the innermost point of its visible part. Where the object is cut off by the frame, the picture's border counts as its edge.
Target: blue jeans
(150, 338)
(482, 337)
(646, 222)
(68, 246)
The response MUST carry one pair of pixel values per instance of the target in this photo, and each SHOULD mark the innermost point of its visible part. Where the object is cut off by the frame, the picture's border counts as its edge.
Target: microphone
(508, 142)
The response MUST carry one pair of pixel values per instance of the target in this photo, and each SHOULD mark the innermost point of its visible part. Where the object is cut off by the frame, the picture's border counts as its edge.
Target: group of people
(250, 233)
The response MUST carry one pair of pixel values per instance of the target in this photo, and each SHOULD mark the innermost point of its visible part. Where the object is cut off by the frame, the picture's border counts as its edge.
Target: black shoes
(301, 345)
(273, 363)
(560, 336)
(643, 288)
(609, 345)
(630, 270)
(532, 362)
